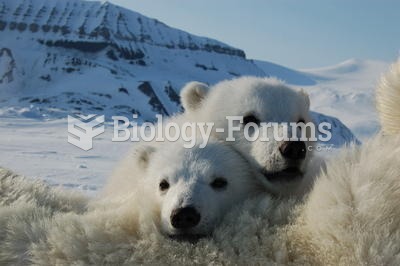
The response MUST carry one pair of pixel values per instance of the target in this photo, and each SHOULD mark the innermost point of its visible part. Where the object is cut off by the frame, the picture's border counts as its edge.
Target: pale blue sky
(295, 33)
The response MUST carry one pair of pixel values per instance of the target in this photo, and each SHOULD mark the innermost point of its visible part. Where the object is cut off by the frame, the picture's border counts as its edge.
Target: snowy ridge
(347, 91)
(288, 75)
(341, 135)
(60, 56)
(74, 20)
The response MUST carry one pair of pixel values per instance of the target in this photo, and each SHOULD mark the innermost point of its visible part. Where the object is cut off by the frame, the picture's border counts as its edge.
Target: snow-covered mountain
(347, 91)
(59, 57)
(93, 57)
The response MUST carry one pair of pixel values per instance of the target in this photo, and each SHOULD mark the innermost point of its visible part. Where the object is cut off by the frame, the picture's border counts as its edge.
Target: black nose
(293, 150)
(185, 218)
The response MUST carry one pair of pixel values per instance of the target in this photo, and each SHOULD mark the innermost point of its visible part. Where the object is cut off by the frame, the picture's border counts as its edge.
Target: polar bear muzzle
(293, 150)
(185, 218)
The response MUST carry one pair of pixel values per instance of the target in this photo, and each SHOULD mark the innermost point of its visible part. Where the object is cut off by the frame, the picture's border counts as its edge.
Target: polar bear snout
(185, 218)
(293, 150)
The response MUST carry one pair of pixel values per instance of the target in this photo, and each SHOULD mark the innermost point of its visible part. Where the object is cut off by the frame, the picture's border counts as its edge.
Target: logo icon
(82, 130)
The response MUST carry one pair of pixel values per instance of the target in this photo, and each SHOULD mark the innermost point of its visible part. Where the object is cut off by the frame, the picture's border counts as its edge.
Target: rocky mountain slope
(59, 57)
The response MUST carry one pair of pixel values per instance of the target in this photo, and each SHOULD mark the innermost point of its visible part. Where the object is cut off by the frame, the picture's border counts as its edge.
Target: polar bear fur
(192, 176)
(388, 99)
(272, 101)
(269, 100)
(193, 94)
(352, 213)
(26, 207)
(15, 189)
(351, 217)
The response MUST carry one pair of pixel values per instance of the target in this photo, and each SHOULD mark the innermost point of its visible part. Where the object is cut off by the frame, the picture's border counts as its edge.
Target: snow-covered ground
(39, 149)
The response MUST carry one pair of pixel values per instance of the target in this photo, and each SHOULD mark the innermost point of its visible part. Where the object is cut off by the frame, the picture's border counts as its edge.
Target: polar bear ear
(193, 94)
(143, 154)
(306, 98)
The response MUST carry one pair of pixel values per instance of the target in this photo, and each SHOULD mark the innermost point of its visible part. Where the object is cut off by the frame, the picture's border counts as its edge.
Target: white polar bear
(187, 190)
(283, 166)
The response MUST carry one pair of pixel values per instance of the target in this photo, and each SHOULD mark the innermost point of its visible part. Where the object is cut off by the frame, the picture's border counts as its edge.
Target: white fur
(352, 215)
(192, 94)
(270, 100)
(189, 173)
(388, 100)
(26, 209)
(350, 218)
(124, 177)
(16, 189)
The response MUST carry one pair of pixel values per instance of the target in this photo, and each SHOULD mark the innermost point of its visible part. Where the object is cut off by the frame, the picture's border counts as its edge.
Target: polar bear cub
(282, 166)
(187, 190)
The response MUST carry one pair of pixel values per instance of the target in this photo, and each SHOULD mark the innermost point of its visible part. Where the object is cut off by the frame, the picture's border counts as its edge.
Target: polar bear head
(280, 165)
(192, 189)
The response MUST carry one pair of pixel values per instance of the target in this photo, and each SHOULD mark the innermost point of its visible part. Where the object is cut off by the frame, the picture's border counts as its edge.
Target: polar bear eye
(164, 185)
(219, 183)
(251, 119)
